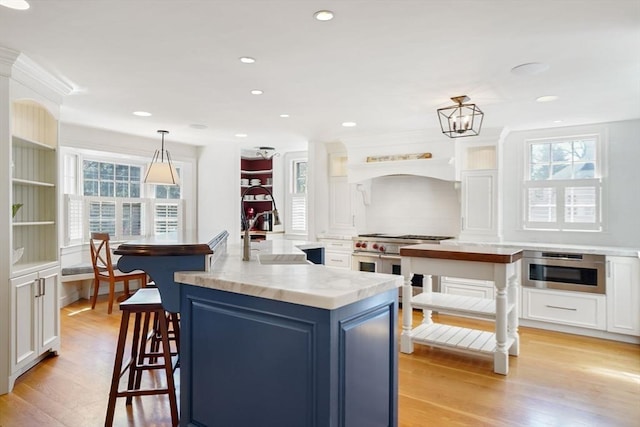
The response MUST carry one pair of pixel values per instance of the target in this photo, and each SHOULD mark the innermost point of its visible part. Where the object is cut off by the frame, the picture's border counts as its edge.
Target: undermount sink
(282, 259)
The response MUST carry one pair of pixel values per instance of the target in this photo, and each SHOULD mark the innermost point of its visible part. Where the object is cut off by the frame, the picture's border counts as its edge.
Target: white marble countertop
(597, 250)
(283, 277)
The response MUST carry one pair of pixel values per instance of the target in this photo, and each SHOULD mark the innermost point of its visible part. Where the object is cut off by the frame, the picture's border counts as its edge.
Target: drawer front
(337, 245)
(567, 308)
(456, 288)
(337, 259)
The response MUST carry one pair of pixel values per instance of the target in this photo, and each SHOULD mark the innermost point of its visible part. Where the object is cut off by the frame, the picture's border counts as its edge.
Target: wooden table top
(492, 254)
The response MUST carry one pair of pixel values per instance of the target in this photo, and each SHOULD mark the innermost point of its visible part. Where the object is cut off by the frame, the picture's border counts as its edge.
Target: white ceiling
(386, 65)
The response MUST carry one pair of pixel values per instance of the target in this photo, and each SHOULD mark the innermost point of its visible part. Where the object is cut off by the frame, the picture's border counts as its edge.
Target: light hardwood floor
(558, 380)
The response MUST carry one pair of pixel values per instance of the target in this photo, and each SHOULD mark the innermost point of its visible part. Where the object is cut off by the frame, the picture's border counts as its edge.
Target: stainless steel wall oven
(564, 271)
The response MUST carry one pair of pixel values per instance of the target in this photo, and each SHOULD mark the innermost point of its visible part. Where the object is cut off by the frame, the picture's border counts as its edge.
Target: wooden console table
(500, 265)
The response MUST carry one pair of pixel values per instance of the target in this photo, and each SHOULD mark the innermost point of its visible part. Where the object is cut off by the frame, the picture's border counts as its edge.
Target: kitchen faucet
(248, 223)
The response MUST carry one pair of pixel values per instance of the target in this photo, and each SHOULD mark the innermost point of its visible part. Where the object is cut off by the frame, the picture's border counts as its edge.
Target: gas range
(390, 243)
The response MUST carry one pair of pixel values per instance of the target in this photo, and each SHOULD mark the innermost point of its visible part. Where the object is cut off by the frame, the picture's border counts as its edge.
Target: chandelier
(461, 119)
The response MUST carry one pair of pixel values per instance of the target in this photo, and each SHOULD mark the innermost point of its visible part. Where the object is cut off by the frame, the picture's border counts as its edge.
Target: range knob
(381, 248)
(364, 245)
(358, 244)
(375, 246)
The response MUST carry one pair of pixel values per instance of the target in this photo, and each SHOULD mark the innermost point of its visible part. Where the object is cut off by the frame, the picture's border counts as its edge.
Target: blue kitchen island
(276, 341)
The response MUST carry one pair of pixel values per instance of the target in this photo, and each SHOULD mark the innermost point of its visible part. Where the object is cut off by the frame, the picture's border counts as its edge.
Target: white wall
(621, 186)
(219, 191)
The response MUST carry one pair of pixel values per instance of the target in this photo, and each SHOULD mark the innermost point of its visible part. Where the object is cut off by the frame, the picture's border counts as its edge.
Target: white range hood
(375, 156)
(438, 168)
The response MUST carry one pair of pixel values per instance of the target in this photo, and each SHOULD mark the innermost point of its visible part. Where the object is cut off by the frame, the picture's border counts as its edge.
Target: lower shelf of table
(446, 336)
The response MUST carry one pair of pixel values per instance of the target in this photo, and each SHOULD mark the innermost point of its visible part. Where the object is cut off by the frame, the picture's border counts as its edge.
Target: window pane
(539, 172)
(161, 191)
(106, 171)
(122, 172)
(90, 188)
(542, 205)
(584, 150)
(174, 192)
(561, 171)
(106, 189)
(561, 152)
(580, 205)
(134, 190)
(540, 153)
(300, 177)
(90, 170)
(584, 170)
(122, 189)
(134, 172)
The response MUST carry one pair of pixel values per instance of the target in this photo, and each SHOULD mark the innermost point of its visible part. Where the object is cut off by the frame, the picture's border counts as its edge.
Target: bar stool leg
(117, 369)
(134, 371)
(166, 350)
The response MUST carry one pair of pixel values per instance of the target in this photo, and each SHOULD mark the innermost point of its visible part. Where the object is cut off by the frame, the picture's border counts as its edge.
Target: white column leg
(514, 298)
(406, 345)
(501, 358)
(427, 286)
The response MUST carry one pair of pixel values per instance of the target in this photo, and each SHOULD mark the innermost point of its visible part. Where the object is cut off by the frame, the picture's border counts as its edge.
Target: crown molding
(24, 70)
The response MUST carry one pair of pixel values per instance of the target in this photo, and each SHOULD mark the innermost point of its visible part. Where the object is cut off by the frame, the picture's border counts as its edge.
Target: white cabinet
(340, 203)
(36, 317)
(341, 195)
(337, 252)
(623, 295)
(479, 204)
(579, 309)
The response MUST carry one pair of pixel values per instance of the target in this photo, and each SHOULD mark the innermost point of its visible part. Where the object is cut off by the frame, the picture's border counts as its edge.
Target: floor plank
(558, 380)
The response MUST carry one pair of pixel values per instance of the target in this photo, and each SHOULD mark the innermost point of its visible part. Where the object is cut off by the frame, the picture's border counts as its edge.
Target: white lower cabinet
(623, 295)
(35, 320)
(467, 287)
(337, 252)
(566, 308)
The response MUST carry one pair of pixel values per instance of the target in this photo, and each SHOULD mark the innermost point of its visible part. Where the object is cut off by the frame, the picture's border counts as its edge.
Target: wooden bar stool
(150, 350)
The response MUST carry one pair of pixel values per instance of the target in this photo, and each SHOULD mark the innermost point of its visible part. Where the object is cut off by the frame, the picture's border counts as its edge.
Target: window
(296, 218)
(110, 199)
(562, 184)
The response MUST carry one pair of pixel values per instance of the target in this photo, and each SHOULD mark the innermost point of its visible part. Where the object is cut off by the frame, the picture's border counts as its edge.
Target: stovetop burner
(391, 243)
(404, 236)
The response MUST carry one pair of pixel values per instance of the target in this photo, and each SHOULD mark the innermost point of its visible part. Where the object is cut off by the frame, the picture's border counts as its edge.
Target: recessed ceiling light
(349, 124)
(141, 114)
(323, 15)
(197, 126)
(529, 69)
(557, 121)
(247, 60)
(15, 4)
(256, 92)
(284, 116)
(241, 135)
(547, 98)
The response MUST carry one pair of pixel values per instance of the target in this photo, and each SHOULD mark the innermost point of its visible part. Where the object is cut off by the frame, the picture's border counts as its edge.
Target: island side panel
(249, 361)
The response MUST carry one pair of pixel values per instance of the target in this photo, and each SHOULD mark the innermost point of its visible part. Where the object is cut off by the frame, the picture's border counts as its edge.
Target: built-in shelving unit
(256, 169)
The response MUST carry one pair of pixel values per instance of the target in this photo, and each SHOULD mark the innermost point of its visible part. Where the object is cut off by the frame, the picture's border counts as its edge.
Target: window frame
(292, 197)
(76, 205)
(560, 186)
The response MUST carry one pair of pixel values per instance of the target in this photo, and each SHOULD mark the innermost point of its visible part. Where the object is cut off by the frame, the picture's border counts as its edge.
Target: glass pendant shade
(161, 170)
(460, 120)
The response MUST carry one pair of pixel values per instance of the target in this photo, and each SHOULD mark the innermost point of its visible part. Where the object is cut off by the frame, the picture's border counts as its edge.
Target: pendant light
(461, 119)
(159, 171)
